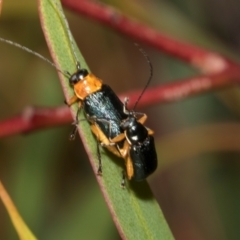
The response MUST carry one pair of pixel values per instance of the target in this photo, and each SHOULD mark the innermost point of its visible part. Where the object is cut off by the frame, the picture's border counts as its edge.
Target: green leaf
(135, 211)
(23, 231)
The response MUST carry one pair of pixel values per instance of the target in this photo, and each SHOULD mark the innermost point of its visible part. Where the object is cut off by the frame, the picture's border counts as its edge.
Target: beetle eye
(73, 79)
(82, 74)
(79, 75)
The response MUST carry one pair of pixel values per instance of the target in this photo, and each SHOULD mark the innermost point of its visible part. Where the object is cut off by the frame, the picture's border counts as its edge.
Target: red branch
(185, 88)
(33, 119)
(221, 71)
(207, 61)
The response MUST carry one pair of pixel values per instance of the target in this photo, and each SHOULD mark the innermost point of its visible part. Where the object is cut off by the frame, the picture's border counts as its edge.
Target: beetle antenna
(33, 53)
(63, 19)
(150, 76)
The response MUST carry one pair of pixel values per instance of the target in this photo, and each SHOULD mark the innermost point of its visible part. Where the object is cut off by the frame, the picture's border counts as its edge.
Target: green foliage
(134, 209)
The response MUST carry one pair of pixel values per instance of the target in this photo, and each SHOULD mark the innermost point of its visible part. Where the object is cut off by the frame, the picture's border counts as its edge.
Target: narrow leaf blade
(134, 209)
(23, 231)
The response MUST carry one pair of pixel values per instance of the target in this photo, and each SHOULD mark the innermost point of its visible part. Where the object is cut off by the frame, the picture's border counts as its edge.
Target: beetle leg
(73, 133)
(123, 179)
(94, 119)
(103, 141)
(150, 131)
(129, 167)
(124, 150)
(143, 116)
(118, 138)
(99, 140)
(72, 100)
(100, 136)
(111, 141)
(126, 100)
(99, 171)
(143, 119)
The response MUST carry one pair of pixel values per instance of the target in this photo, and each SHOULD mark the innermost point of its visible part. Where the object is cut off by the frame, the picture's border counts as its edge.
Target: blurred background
(50, 179)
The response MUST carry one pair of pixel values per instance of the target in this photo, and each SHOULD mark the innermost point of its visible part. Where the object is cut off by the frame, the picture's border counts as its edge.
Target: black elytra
(144, 159)
(105, 105)
(142, 148)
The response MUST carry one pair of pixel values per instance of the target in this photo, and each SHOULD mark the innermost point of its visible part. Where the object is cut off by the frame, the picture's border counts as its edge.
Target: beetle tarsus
(123, 180)
(99, 159)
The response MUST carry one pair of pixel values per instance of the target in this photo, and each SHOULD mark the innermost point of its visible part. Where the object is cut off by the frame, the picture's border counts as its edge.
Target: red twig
(185, 88)
(33, 119)
(207, 61)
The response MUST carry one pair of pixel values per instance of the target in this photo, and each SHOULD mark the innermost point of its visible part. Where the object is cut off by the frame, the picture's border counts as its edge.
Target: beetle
(140, 153)
(115, 128)
(102, 108)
